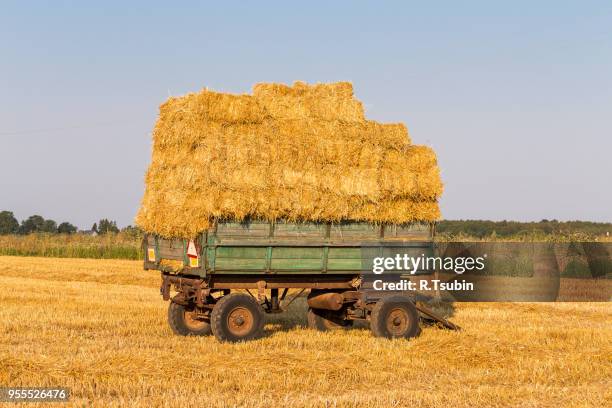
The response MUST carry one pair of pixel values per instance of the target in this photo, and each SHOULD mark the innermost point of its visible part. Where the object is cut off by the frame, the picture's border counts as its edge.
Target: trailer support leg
(284, 294)
(433, 316)
(274, 300)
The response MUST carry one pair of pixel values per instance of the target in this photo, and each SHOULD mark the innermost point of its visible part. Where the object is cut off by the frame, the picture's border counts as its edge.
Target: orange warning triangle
(191, 250)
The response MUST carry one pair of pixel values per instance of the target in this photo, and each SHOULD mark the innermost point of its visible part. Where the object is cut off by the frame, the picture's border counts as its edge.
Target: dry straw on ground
(301, 153)
(99, 327)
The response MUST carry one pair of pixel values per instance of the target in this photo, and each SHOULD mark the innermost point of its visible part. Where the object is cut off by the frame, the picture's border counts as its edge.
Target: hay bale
(302, 101)
(237, 157)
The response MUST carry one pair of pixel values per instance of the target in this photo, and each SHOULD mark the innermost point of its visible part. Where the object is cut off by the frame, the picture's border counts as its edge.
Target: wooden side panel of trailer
(288, 248)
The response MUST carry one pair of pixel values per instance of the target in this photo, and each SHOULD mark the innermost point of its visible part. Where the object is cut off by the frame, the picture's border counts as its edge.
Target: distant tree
(106, 226)
(66, 228)
(131, 231)
(546, 227)
(49, 226)
(94, 228)
(8, 223)
(33, 224)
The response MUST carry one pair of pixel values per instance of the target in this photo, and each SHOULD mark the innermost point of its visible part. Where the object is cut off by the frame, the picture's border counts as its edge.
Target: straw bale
(320, 101)
(241, 156)
(399, 211)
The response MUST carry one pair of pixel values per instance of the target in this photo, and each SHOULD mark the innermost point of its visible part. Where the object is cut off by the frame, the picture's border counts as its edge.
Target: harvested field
(98, 327)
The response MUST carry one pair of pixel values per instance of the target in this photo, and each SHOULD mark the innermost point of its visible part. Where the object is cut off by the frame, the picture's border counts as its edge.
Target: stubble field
(99, 328)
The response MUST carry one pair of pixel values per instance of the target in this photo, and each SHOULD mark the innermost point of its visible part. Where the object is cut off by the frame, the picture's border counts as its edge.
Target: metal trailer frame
(270, 256)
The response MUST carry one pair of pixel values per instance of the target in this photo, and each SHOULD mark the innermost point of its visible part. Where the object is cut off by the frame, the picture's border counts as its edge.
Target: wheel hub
(398, 322)
(240, 321)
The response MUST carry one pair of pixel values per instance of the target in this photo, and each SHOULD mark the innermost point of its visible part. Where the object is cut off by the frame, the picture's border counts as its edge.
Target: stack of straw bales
(298, 153)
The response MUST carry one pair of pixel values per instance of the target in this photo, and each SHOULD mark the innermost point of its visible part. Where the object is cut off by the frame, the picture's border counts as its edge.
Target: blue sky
(516, 98)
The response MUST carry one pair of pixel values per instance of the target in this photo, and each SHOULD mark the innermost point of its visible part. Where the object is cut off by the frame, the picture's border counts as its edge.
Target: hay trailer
(231, 275)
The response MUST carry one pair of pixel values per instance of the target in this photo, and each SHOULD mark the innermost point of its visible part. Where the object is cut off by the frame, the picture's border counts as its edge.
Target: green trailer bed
(283, 248)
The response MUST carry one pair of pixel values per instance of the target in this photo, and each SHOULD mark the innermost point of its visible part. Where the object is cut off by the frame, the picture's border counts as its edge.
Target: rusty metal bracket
(199, 296)
(165, 288)
(195, 290)
(261, 290)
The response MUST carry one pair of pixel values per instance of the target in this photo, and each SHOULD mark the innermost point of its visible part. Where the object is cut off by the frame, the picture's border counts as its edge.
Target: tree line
(483, 228)
(36, 223)
(474, 228)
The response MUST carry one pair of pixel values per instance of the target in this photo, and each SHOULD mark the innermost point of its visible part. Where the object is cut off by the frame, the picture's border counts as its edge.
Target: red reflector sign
(191, 250)
(192, 254)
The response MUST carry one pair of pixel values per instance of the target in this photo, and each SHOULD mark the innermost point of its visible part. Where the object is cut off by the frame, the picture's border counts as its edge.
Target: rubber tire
(176, 320)
(221, 311)
(382, 308)
(319, 319)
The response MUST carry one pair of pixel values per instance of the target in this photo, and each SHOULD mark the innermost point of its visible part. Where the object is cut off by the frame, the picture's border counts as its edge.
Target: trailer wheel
(185, 322)
(323, 320)
(237, 317)
(395, 317)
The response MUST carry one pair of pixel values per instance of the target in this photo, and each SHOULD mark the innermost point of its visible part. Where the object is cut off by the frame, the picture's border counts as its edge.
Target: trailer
(225, 280)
